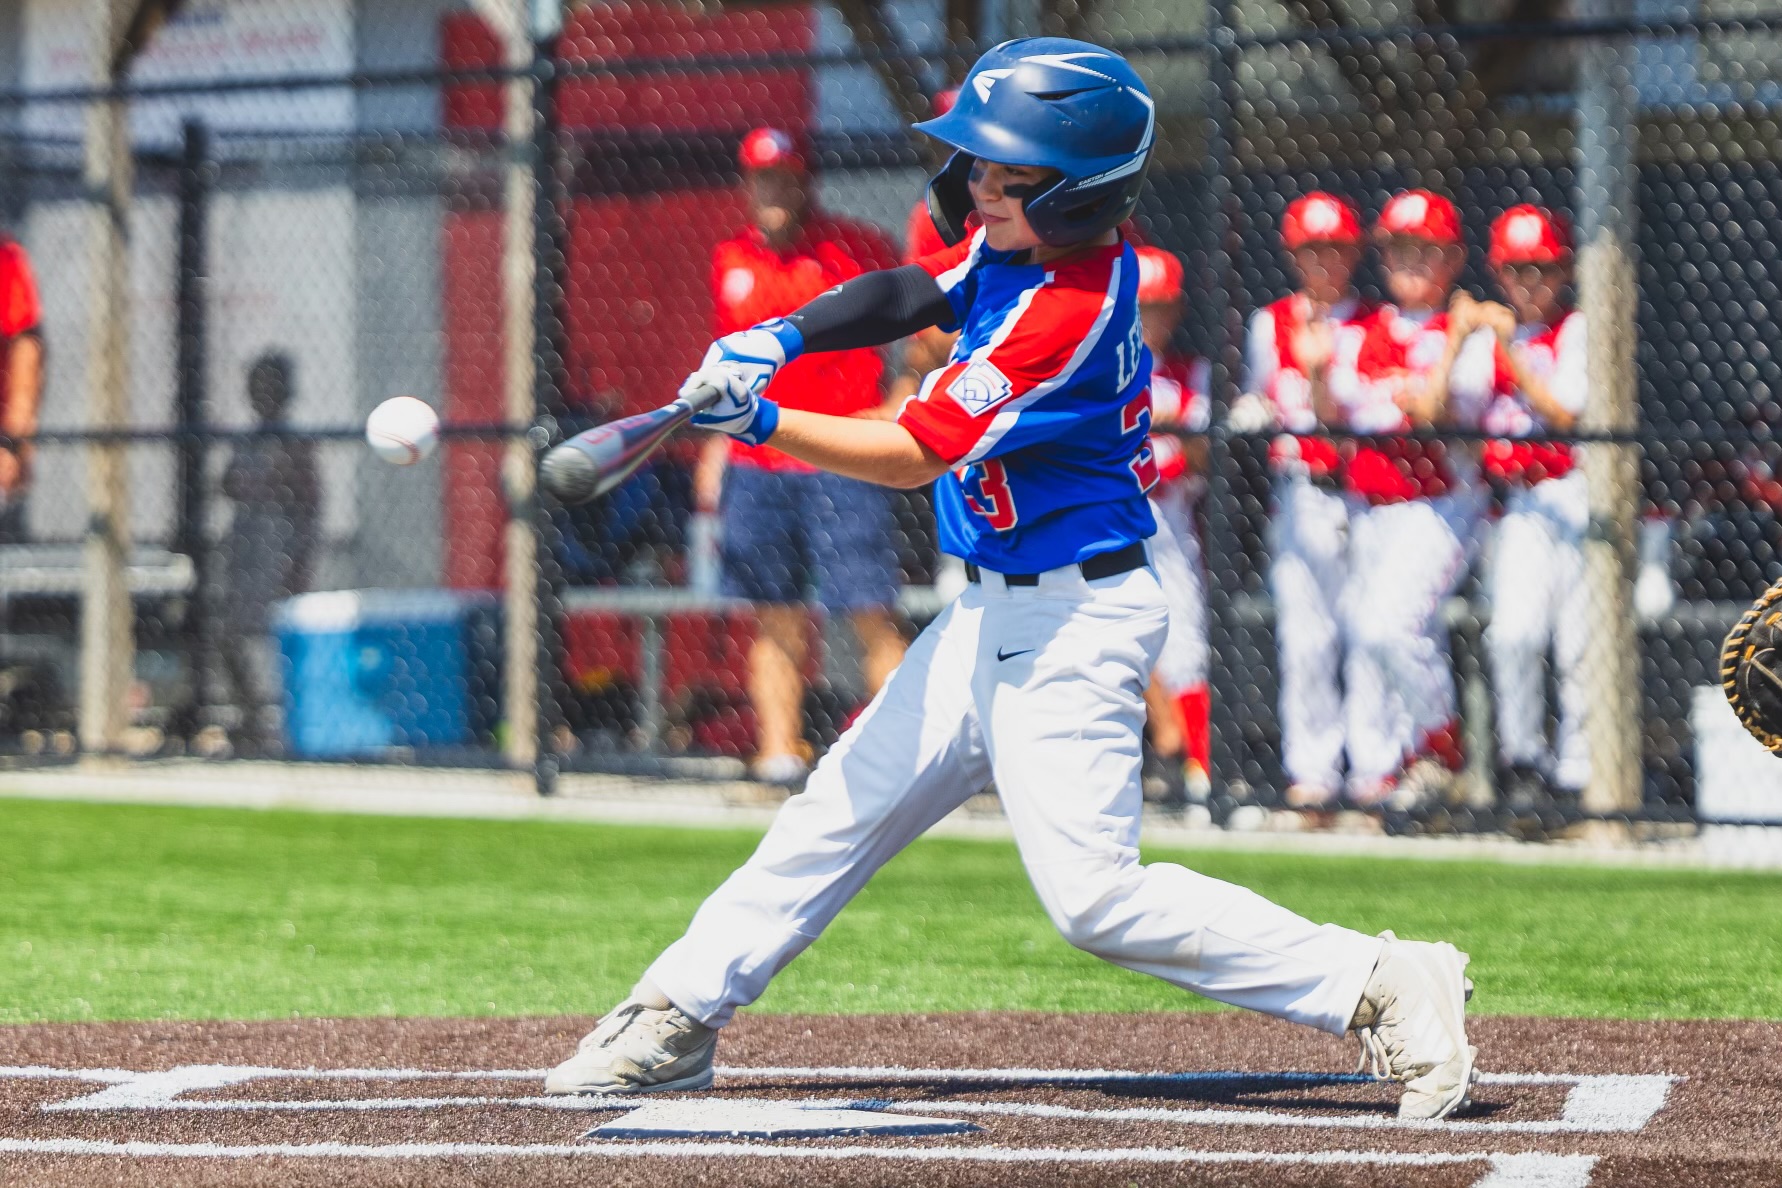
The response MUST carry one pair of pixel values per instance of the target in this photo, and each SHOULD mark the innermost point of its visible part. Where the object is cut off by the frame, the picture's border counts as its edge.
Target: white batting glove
(740, 366)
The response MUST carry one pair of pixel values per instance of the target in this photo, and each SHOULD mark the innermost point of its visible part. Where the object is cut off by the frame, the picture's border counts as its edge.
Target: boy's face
(999, 193)
(1419, 273)
(777, 203)
(1157, 323)
(1533, 290)
(1325, 270)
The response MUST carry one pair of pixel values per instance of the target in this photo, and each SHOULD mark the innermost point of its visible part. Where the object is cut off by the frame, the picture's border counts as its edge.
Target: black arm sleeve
(872, 309)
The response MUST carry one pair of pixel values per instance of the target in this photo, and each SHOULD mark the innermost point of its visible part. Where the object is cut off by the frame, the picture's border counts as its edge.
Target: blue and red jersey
(1043, 410)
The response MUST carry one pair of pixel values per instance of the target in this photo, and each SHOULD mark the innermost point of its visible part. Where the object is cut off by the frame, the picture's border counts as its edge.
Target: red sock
(1197, 708)
(1444, 745)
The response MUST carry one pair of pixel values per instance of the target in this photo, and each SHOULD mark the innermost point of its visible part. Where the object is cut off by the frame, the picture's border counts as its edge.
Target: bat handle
(700, 398)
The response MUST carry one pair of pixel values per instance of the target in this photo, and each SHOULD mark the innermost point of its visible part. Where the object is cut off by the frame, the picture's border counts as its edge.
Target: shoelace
(1376, 1057)
(628, 1013)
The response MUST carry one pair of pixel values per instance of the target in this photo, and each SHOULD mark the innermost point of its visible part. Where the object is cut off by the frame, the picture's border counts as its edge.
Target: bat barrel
(590, 464)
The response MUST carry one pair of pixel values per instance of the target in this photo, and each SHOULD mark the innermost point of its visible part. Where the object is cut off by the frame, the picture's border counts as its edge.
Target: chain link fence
(1438, 559)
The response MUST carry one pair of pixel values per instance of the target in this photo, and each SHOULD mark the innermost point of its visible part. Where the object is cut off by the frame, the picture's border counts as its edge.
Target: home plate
(765, 1120)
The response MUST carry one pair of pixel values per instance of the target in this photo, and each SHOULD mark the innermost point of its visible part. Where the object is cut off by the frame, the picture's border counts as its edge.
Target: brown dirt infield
(1568, 1103)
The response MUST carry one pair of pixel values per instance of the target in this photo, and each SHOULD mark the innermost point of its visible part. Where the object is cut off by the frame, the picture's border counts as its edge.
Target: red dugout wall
(637, 303)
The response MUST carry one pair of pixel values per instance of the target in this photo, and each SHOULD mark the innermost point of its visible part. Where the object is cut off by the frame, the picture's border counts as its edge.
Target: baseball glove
(1751, 668)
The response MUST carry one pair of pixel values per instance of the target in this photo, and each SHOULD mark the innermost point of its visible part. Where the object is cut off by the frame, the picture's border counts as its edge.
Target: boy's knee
(1083, 906)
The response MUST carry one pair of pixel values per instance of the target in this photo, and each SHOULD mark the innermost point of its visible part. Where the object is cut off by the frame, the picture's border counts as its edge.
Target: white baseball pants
(1308, 570)
(1538, 598)
(1405, 558)
(1040, 689)
(1175, 551)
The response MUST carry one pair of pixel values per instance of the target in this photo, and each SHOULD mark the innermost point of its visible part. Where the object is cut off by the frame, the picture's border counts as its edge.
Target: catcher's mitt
(1751, 668)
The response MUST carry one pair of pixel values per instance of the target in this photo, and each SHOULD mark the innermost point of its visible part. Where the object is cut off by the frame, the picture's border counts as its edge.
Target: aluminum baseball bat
(594, 462)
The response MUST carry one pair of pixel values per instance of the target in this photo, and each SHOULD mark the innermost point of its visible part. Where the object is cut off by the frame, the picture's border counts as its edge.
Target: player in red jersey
(1301, 375)
(1177, 698)
(1418, 507)
(790, 532)
(1538, 596)
(21, 382)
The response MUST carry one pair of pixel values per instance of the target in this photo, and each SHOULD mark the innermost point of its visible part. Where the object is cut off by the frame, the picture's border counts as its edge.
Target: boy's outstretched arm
(870, 310)
(882, 452)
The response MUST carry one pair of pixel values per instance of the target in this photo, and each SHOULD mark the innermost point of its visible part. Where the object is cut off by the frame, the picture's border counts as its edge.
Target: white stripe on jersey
(1005, 328)
(1011, 412)
(954, 276)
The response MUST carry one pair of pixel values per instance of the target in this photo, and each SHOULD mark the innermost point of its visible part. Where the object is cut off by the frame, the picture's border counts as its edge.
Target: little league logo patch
(980, 387)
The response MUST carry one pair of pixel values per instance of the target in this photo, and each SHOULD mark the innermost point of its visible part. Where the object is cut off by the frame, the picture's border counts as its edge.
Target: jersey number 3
(1136, 418)
(992, 499)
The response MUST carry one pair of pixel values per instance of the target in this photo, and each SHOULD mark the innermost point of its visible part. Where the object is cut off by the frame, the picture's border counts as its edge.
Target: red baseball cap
(770, 148)
(943, 102)
(1320, 218)
(1159, 275)
(1529, 235)
(1420, 214)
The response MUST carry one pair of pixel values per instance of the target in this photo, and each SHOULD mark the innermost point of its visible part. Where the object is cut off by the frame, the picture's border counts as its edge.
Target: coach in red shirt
(792, 535)
(21, 382)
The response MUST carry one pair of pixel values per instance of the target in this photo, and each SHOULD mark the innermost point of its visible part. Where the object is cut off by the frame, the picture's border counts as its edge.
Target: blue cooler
(368, 670)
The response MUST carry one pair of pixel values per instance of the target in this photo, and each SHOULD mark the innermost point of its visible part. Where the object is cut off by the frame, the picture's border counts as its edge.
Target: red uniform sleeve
(968, 407)
(940, 262)
(20, 310)
(919, 236)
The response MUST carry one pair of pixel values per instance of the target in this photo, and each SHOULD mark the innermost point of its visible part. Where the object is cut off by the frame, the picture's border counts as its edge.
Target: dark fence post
(549, 247)
(1222, 545)
(191, 409)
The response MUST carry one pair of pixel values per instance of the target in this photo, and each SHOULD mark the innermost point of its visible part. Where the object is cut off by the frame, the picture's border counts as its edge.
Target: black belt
(1102, 565)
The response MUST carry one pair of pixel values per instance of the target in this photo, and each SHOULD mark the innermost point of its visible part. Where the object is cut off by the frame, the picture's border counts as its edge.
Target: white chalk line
(596, 1104)
(724, 1150)
(40, 1072)
(1064, 1076)
(832, 1073)
(1594, 1103)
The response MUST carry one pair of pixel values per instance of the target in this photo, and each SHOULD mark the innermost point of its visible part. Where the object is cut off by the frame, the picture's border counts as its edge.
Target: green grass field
(133, 913)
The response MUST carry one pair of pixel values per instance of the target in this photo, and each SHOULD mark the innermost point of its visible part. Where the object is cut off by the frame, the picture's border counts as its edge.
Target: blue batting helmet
(1059, 104)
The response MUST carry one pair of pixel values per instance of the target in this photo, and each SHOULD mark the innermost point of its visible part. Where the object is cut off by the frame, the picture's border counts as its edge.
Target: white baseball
(402, 430)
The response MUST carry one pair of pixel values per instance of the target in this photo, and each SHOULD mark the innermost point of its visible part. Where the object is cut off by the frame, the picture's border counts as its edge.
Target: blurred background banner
(1464, 316)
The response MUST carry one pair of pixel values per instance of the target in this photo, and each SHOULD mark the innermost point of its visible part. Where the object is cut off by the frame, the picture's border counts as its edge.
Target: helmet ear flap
(1061, 221)
(949, 197)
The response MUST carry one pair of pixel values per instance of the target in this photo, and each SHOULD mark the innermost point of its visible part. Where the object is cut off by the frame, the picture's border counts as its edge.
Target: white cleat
(1412, 1025)
(644, 1045)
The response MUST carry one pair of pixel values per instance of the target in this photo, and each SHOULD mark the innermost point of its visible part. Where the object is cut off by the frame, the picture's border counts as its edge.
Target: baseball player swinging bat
(594, 462)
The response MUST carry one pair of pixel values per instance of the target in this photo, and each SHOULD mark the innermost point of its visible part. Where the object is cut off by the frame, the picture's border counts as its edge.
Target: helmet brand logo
(1068, 62)
(983, 80)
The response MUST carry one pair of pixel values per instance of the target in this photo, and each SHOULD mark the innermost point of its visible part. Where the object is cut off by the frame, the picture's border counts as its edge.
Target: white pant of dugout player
(1404, 560)
(1175, 553)
(1538, 597)
(1040, 689)
(1309, 547)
